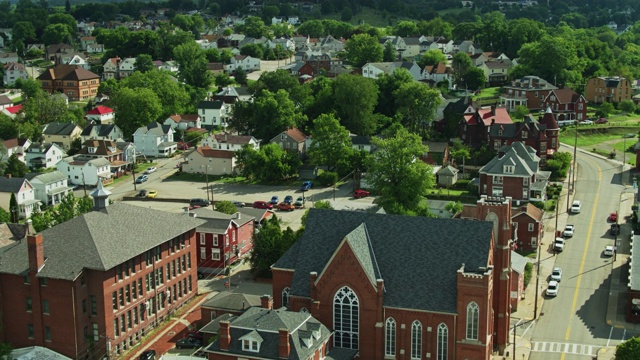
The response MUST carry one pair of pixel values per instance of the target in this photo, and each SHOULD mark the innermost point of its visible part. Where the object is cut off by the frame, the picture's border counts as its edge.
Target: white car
(568, 231)
(150, 170)
(608, 250)
(552, 289)
(575, 207)
(558, 244)
(556, 274)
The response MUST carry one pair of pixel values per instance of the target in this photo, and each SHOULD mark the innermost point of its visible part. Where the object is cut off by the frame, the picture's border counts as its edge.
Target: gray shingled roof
(232, 301)
(56, 128)
(521, 156)
(634, 271)
(98, 240)
(205, 104)
(47, 178)
(101, 130)
(518, 262)
(218, 222)
(417, 257)
(11, 185)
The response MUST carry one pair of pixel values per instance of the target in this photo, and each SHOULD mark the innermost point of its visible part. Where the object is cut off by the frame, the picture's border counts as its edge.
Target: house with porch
(43, 156)
(62, 134)
(566, 104)
(246, 62)
(24, 194)
(86, 171)
(50, 188)
(213, 113)
(529, 91)
(155, 140)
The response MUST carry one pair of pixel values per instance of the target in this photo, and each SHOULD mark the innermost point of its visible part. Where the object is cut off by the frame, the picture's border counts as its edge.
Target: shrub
(461, 184)
(528, 268)
(328, 178)
(538, 204)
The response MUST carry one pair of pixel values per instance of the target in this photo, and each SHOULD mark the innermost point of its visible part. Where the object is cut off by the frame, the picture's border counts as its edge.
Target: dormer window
(508, 169)
(112, 149)
(500, 132)
(524, 134)
(92, 150)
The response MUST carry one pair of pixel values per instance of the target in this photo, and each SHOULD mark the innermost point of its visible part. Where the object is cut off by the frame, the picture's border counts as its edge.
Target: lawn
(588, 140)
(488, 93)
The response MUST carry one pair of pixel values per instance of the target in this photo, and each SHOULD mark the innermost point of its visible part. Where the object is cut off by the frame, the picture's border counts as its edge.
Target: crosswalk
(566, 348)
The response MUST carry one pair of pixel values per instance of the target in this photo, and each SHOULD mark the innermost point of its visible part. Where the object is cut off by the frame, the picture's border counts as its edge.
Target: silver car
(556, 274)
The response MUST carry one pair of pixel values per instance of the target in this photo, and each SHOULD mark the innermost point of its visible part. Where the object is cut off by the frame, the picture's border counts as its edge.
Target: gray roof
(410, 281)
(218, 222)
(234, 302)
(634, 271)
(518, 262)
(205, 104)
(101, 130)
(47, 178)
(11, 185)
(522, 157)
(155, 128)
(56, 128)
(98, 240)
(448, 170)
(214, 325)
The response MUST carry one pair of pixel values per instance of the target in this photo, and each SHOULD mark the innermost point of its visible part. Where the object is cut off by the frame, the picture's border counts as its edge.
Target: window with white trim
(497, 179)
(250, 345)
(531, 227)
(416, 340)
(443, 340)
(473, 318)
(390, 338)
(346, 318)
(203, 253)
(203, 240)
(215, 254)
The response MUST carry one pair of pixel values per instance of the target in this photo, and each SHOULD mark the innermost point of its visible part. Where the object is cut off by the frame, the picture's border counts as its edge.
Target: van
(558, 244)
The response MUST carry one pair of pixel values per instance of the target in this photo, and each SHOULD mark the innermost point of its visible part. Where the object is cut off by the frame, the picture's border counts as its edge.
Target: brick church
(402, 287)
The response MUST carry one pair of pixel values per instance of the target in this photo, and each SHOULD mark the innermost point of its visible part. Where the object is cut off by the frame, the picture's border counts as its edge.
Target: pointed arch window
(416, 340)
(390, 338)
(285, 297)
(443, 342)
(346, 318)
(473, 317)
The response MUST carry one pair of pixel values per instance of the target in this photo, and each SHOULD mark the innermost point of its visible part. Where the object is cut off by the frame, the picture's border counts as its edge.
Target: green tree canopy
(226, 207)
(432, 57)
(57, 33)
(144, 63)
(331, 142)
(269, 164)
(629, 350)
(356, 114)
(15, 167)
(417, 104)
(193, 65)
(135, 108)
(269, 244)
(173, 97)
(362, 49)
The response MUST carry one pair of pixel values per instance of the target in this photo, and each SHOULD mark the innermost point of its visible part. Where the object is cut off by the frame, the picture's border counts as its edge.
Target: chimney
(266, 302)
(36, 253)
(493, 109)
(238, 216)
(8, 176)
(284, 349)
(224, 335)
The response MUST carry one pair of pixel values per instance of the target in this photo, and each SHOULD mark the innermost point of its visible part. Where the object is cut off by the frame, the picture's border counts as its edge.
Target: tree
(174, 98)
(226, 207)
(627, 106)
(144, 63)
(223, 80)
(240, 75)
(387, 85)
(454, 207)
(629, 350)
(475, 78)
(331, 142)
(269, 244)
(520, 112)
(253, 50)
(363, 48)
(269, 164)
(461, 64)
(605, 109)
(346, 14)
(405, 28)
(254, 27)
(312, 28)
(23, 31)
(5, 217)
(282, 80)
(389, 52)
(67, 6)
(552, 58)
(431, 58)
(43, 109)
(64, 19)
(417, 104)
(193, 65)
(14, 210)
(57, 33)
(356, 114)
(15, 167)
(135, 108)
(397, 175)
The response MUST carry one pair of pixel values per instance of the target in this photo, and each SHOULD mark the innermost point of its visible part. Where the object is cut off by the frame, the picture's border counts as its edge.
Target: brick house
(608, 89)
(291, 139)
(530, 227)
(542, 135)
(101, 290)
(476, 122)
(566, 104)
(105, 149)
(529, 91)
(514, 172)
(345, 267)
(72, 80)
(223, 239)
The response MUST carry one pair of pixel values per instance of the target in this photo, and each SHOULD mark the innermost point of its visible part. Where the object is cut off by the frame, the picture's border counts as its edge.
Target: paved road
(572, 325)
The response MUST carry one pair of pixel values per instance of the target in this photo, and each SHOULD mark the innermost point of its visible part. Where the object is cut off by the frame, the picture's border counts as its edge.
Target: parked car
(586, 122)
(552, 289)
(608, 250)
(141, 179)
(285, 206)
(556, 274)
(601, 121)
(195, 334)
(274, 200)
(299, 202)
(613, 217)
(568, 231)
(306, 186)
(629, 135)
(151, 170)
(288, 199)
(199, 202)
(558, 244)
(360, 193)
(239, 204)
(183, 146)
(188, 343)
(262, 205)
(148, 355)
(576, 207)
(152, 194)
(142, 193)
(614, 229)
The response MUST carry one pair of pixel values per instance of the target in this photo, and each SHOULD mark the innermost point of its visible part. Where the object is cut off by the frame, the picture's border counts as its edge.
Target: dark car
(306, 186)
(148, 355)
(601, 121)
(188, 343)
(288, 199)
(615, 229)
(142, 193)
(141, 179)
(262, 205)
(196, 203)
(274, 200)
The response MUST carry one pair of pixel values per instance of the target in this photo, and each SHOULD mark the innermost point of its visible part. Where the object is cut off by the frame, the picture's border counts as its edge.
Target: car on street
(601, 121)
(286, 206)
(576, 207)
(141, 179)
(299, 202)
(556, 274)
(239, 203)
(148, 355)
(568, 231)
(608, 250)
(614, 229)
(152, 194)
(288, 199)
(188, 343)
(306, 186)
(198, 203)
(142, 193)
(274, 200)
(613, 217)
(262, 205)
(558, 244)
(586, 122)
(552, 288)
(151, 170)
(360, 193)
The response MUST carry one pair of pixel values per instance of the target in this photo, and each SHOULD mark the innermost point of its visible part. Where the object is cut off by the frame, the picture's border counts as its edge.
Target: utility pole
(535, 302)
(575, 160)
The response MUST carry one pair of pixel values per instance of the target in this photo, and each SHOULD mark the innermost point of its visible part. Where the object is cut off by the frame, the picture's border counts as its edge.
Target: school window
(531, 227)
(29, 305)
(94, 306)
(45, 306)
(47, 333)
(203, 240)
(30, 331)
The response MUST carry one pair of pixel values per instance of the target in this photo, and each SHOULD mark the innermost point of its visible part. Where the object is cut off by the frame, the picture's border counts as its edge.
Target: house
(205, 160)
(437, 73)
(101, 132)
(374, 70)
(542, 135)
(86, 171)
(61, 134)
(51, 50)
(529, 91)
(12, 111)
(128, 150)
(530, 227)
(15, 146)
(95, 48)
(64, 56)
(566, 104)
(267, 333)
(86, 41)
(230, 142)
(518, 266)
(228, 303)
(213, 113)
(100, 115)
(155, 140)
(465, 46)
(291, 139)
(496, 72)
(230, 95)
(86, 28)
(447, 176)
(247, 63)
(36, 352)
(300, 41)
(105, 149)
(8, 57)
(438, 153)
(5, 102)
(222, 240)
(60, 97)
(412, 49)
(329, 44)
(170, 66)
(50, 188)
(396, 41)
(336, 273)
(205, 44)
(78, 60)
(117, 68)
(608, 89)
(215, 68)
(438, 208)
(108, 263)
(361, 143)
(286, 44)
(12, 72)
(43, 156)
(72, 80)
(514, 172)
(24, 194)
(476, 123)
(183, 121)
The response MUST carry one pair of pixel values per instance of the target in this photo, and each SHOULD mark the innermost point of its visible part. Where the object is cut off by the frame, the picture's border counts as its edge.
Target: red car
(613, 217)
(360, 193)
(262, 205)
(286, 206)
(183, 146)
(601, 121)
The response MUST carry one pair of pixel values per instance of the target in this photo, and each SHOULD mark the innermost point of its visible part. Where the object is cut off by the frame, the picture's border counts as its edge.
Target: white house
(126, 67)
(15, 146)
(101, 132)
(183, 121)
(95, 48)
(5, 102)
(78, 60)
(213, 113)
(100, 115)
(438, 73)
(247, 63)
(204, 44)
(287, 44)
(81, 170)
(50, 188)
(155, 140)
(24, 193)
(12, 72)
(207, 160)
(44, 156)
(170, 66)
(229, 142)
(373, 70)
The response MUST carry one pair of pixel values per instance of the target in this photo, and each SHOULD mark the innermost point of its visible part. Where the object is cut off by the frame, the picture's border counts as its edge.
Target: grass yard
(488, 93)
(586, 140)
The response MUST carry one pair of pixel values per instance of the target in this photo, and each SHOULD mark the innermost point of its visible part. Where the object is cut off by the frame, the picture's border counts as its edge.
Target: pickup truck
(568, 231)
(558, 244)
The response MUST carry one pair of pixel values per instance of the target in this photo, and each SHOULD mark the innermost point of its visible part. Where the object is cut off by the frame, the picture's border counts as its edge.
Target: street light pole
(575, 160)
